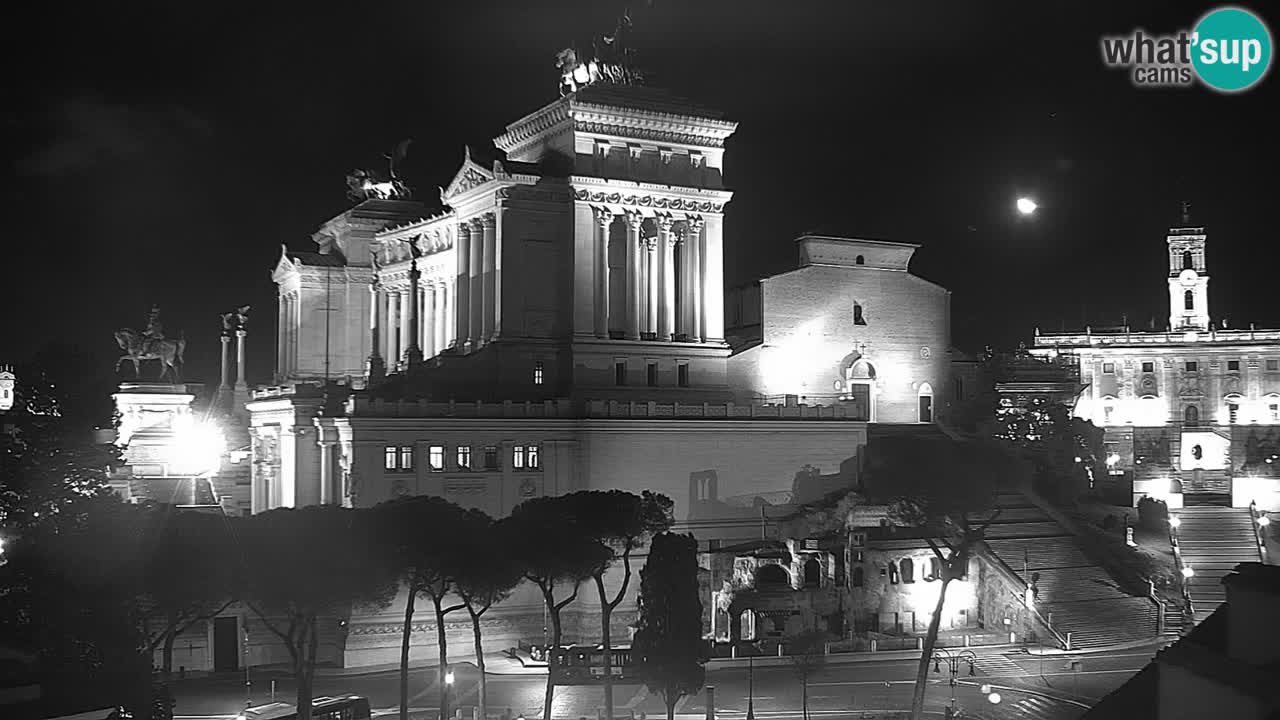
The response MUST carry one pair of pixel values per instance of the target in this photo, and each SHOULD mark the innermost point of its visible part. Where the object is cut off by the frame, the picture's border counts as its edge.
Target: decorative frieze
(649, 201)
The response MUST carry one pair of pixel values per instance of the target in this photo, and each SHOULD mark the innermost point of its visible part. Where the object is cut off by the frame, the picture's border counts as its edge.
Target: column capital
(665, 223)
(464, 228)
(487, 221)
(650, 243)
(634, 220)
(695, 223)
(604, 216)
(241, 333)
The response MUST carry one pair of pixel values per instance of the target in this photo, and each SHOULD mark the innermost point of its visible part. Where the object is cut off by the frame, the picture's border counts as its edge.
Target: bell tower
(1188, 276)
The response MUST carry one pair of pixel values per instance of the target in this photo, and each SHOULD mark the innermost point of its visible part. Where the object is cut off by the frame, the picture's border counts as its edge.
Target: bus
(344, 707)
(584, 664)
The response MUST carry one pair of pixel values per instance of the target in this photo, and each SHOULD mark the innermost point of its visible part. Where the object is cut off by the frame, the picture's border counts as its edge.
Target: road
(1049, 688)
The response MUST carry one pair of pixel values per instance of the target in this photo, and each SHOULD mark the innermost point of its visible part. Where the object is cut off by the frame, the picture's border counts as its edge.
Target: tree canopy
(668, 648)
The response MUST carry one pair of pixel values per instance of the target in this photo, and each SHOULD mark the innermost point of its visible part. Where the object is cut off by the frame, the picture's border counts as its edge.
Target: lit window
(1275, 412)
(1233, 365)
(517, 457)
(406, 457)
(532, 455)
(1109, 368)
(490, 458)
(682, 375)
(1233, 413)
(464, 457)
(435, 457)
(1273, 364)
(389, 457)
(537, 373)
(1148, 367)
(1189, 300)
(620, 372)
(651, 374)
(1192, 366)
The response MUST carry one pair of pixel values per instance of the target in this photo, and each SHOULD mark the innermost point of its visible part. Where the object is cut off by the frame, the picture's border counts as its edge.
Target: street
(1050, 687)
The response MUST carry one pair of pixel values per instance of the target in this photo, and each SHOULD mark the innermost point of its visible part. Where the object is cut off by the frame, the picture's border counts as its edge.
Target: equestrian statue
(151, 344)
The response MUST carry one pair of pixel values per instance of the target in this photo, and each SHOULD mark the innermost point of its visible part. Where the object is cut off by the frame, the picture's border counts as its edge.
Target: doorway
(926, 403)
(226, 645)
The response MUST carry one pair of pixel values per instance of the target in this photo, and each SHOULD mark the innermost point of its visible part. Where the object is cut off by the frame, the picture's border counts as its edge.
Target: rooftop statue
(237, 319)
(612, 61)
(151, 344)
(365, 185)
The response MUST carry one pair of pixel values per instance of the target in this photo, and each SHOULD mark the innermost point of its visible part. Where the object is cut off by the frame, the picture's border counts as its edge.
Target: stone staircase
(1075, 595)
(1212, 541)
(1206, 487)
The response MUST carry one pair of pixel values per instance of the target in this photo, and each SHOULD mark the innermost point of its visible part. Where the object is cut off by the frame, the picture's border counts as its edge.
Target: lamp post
(448, 685)
(751, 681)
(953, 662)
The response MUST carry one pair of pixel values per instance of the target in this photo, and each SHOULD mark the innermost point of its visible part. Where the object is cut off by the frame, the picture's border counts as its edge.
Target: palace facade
(1192, 413)
(561, 325)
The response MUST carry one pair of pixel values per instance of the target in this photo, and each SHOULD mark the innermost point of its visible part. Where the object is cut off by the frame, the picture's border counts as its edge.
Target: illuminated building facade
(1191, 413)
(560, 326)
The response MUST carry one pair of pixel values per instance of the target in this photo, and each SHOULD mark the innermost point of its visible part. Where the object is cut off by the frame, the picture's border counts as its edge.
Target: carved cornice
(532, 126)
(524, 192)
(660, 127)
(649, 201)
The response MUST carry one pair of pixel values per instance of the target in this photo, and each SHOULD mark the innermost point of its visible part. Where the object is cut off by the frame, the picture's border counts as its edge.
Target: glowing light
(1187, 572)
(985, 689)
(1174, 521)
(1026, 205)
(448, 678)
(1263, 520)
(994, 698)
(1112, 459)
(197, 447)
(1078, 459)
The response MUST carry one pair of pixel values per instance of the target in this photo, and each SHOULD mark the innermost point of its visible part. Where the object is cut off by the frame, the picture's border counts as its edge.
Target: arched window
(859, 577)
(893, 574)
(959, 386)
(1191, 416)
(857, 316)
(771, 576)
(1189, 300)
(812, 572)
(908, 570)
(859, 260)
(1188, 262)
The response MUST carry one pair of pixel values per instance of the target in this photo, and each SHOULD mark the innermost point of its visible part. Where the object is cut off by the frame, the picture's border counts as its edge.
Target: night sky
(161, 154)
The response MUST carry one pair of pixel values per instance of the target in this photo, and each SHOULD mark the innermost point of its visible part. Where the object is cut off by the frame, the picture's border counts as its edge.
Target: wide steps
(1039, 553)
(1213, 541)
(1073, 584)
(1026, 530)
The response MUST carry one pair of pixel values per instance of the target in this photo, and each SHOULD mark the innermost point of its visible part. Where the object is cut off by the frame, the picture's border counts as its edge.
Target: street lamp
(1026, 205)
(1187, 572)
(751, 682)
(953, 662)
(1263, 521)
(1175, 521)
(448, 684)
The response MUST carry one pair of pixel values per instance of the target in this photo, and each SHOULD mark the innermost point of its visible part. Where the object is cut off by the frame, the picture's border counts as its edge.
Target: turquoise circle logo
(1232, 49)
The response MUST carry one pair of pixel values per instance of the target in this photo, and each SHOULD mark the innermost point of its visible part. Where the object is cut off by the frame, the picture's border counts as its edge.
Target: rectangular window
(1109, 368)
(1233, 366)
(651, 374)
(464, 457)
(406, 458)
(1273, 364)
(532, 454)
(682, 375)
(1106, 414)
(1192, 366)
(620, 372)
(537, 373)
(389, 457)
(490, 458)
(517, 457)
(1233, 413)
(435, 457)
(1275, 412)
(1148, 367)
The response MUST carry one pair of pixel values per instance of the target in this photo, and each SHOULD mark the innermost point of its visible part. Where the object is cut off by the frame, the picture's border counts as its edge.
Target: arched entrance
(925, 401)
(860, 389)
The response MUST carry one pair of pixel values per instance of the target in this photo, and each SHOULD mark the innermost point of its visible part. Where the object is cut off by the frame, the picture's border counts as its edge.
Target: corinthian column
(429, 345)
(604, 220)
(280, 338)
(489, 312)
(393, 322)
(654, 276)
(413, 351)
(406, 325)
(462, 287)
(634, 220)
(697, 330)
(476, 277)
(375, 369)
(666, 326)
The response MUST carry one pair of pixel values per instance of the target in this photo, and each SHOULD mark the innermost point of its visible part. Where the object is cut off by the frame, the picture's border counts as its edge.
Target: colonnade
(666, 283)
(287, 338)
(394, 309)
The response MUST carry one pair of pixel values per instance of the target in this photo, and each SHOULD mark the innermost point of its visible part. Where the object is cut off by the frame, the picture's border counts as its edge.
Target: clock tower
(1188, 277)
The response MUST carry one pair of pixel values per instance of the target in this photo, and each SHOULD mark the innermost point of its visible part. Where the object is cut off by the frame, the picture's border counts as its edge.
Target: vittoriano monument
(151, 344)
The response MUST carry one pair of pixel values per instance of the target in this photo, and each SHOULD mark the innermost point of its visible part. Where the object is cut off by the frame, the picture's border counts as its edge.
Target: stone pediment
(284, 266)
(470, 176)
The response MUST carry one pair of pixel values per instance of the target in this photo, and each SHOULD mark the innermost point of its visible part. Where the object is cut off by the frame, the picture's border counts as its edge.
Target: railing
(623, 410)
(1175, 337)
(363, 406)
(1259, 529)
(1182, 568)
